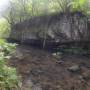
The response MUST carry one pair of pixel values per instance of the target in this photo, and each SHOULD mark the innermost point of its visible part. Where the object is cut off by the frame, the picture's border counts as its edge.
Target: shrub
(8, 75)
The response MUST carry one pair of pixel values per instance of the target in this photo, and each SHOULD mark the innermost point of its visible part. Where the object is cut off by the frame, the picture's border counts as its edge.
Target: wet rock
(36, 87)
(37, 72)
(86, 75)
(80, 77)
(54, 54)
(29, 85)
(75, 68)
(18, 55)
(57, 55)
(60, 62)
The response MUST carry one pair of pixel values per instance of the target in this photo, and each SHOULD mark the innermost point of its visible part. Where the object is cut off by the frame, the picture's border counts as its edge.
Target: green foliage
(24, 9)
(80, 5)
(6, 48)
(8, 75)
(4, 28)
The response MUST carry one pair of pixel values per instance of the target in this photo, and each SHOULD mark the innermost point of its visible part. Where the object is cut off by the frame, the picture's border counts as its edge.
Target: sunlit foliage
(20, 10)
(4, 28)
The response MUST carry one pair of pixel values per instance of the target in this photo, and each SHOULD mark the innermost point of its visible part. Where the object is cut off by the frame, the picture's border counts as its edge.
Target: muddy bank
(40, 70)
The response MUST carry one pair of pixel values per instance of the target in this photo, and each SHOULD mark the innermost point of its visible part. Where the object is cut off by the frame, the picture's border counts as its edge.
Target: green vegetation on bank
(8, 75)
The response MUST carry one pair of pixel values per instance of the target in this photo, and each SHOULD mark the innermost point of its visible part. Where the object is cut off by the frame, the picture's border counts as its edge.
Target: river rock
(37, 72)
(86, 75)
(60, 62)
(74, 68)
(18, 55)
(57, 55)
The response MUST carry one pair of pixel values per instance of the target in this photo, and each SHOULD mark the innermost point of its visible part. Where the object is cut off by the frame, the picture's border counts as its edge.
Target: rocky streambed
(41, 70)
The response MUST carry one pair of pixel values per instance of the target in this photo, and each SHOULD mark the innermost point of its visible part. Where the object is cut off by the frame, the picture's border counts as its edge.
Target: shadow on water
(53, 47)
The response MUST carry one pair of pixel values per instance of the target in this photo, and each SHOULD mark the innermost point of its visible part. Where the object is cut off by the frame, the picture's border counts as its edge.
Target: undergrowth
(8, 75)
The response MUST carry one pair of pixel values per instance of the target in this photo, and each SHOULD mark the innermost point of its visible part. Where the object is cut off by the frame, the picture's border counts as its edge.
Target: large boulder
(60, 27)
